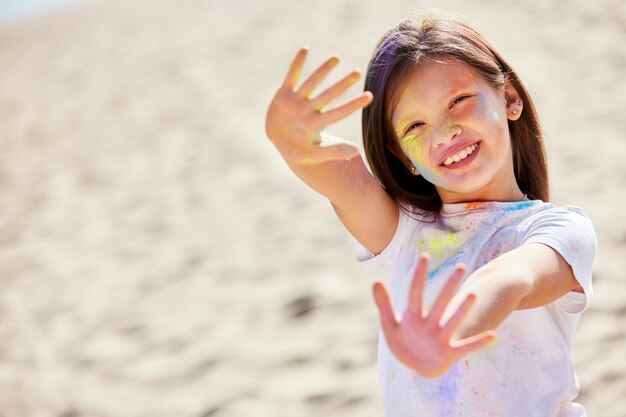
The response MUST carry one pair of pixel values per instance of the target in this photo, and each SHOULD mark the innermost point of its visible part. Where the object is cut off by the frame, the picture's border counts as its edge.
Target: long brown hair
(431, 36)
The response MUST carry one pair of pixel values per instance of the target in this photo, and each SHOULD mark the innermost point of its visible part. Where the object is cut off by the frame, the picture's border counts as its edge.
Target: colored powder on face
(413, 146)
(483, 100)
(449, 126)
(432, 175)
(403, 117)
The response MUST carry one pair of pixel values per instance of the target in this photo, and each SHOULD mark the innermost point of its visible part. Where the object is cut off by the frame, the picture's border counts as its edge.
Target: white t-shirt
(528, 372)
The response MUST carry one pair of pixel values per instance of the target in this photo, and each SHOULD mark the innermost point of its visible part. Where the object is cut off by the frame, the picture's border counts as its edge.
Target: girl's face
(452, 127)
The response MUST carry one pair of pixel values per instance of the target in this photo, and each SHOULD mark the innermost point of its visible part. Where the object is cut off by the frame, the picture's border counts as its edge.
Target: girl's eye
(458, 100)
(413, 126)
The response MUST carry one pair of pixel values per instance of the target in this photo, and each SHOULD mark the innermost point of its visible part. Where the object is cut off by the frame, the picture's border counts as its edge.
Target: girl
(457, 215)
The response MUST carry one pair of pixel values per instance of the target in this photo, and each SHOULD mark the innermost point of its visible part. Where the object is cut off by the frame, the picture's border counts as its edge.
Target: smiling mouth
(461, 158)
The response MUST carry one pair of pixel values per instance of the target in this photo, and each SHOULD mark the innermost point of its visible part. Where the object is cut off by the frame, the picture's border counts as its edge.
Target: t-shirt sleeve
(385, 260)
(570, 232)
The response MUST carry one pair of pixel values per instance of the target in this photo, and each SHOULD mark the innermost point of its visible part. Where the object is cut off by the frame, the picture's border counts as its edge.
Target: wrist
(497, 296)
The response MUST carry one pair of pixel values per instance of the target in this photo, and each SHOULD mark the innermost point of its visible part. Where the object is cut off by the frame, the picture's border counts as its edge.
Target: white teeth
(460, 155)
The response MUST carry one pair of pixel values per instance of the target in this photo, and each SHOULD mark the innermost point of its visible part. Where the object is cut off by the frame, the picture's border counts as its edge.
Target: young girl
(457, 215)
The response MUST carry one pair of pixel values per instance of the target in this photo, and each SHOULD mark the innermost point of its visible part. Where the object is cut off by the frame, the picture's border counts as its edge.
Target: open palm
(295, 120)
(419, 340)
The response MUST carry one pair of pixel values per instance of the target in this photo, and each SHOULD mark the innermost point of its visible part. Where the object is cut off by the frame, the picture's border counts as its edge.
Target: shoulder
(549, 216)
(568, 231)
(567, 224)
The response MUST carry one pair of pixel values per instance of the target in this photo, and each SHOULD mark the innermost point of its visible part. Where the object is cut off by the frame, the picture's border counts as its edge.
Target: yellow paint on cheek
(413, 145)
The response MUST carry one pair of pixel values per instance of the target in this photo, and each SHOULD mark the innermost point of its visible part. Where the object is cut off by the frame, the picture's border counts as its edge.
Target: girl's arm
(331, 166)
(530, 276)
(430, 342)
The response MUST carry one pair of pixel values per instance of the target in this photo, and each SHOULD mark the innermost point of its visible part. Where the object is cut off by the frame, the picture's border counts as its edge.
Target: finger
(446, 294)
(306, 89)
(335, 90)
(331, 153)
(417, 285)
(457, 318)
(471, 344)
(295, 68)
(388, 319)
(347, 109)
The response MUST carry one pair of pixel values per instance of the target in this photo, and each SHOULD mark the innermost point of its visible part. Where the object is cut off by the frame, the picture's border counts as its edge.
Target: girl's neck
(508, 195)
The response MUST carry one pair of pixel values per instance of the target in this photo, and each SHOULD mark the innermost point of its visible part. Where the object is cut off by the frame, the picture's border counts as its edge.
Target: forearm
(336, 180)
(497, 296)
(364, 208)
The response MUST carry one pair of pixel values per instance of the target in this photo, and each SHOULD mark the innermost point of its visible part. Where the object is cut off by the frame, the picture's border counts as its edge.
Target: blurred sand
(157, 258)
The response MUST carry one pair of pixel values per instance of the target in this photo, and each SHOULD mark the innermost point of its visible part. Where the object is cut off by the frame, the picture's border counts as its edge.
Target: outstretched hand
(295, 120)
(419, 340)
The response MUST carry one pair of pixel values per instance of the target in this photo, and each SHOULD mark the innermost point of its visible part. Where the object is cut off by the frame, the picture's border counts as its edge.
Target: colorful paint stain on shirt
(440, 244)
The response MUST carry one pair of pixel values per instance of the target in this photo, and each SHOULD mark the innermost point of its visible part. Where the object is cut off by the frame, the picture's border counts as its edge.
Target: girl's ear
(514, 103)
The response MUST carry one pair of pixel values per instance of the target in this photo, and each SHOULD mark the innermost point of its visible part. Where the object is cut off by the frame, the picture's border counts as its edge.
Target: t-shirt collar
(457, 208)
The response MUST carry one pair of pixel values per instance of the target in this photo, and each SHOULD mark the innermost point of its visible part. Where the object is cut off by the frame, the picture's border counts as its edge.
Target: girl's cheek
(481, 110)
(498, 122)
(475, 108)
(412, 147)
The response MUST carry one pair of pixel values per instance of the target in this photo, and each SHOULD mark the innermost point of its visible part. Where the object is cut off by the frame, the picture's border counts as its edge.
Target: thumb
(470, 344)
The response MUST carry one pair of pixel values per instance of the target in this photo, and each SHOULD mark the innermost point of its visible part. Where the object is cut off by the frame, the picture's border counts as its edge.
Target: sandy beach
(157, 256)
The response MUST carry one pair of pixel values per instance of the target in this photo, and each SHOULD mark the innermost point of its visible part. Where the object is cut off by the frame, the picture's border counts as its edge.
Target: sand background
(157, 257)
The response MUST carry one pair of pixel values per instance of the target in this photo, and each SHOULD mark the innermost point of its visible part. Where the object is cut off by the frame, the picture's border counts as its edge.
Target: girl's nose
(446, 134)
